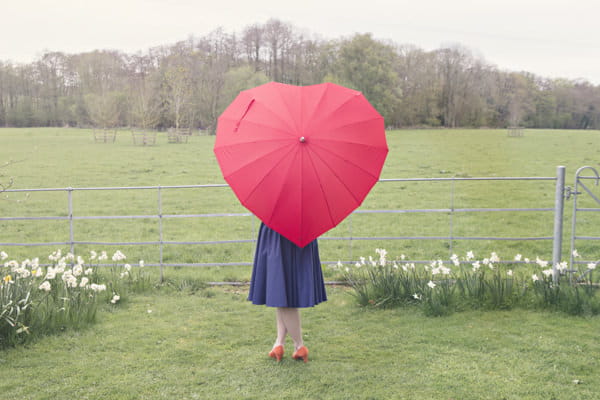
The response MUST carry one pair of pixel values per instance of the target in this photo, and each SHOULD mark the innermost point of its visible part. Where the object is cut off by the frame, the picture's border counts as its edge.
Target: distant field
(57, 158)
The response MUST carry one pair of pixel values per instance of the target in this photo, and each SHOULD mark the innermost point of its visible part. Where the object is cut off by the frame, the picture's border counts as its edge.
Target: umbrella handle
(237, 125)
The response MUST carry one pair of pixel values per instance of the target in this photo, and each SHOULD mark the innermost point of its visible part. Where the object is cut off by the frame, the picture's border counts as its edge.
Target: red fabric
(301, 188)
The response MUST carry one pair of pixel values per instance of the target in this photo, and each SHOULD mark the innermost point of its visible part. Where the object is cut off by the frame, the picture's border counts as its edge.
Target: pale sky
(551, 38)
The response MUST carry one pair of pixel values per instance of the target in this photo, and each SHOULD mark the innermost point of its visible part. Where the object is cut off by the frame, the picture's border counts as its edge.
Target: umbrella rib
(337, 176)
(349, 162)
(290, 113)
(275, 166)
(343, 104)
(317, 106)
(255, 160)
(246, 122)
(328, 149)
(354, 123)
(252, 141)
(321, 186)
(344, 140)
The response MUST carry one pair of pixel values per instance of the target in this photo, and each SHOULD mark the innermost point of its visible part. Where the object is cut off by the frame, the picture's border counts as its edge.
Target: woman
(287, 277)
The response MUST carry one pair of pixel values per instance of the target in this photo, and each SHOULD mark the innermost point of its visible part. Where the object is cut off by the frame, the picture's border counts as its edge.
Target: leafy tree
(367, 65)
(236, 80)
(105, 109)
(419, 85)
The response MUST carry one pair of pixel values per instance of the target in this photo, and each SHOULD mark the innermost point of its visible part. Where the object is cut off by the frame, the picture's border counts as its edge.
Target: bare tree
(252, 44)
(178, 81)
(143, 96)
(278, 39)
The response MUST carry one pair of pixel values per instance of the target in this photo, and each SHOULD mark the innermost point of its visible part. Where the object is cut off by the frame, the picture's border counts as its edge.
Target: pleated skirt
(285, 275)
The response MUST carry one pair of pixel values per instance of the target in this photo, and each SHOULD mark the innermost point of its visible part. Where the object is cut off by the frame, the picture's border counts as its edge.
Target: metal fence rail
(160, 217)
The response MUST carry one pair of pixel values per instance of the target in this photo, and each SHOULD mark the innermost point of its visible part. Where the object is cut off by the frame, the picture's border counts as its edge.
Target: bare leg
(290, 319)
(281, 330)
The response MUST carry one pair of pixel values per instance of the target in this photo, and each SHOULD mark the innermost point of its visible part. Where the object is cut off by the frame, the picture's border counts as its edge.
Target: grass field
(182, 341)
(51, 158)
(213, 345)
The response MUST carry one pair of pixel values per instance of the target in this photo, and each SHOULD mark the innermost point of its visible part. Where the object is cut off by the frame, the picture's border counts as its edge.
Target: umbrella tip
(302, 139)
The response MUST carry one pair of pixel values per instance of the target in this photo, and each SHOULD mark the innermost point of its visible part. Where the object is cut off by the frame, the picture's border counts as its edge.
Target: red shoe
(301, 354)
(276, 353)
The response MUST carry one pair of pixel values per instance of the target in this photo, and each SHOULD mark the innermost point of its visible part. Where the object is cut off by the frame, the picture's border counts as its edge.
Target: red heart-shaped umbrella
(301, 158)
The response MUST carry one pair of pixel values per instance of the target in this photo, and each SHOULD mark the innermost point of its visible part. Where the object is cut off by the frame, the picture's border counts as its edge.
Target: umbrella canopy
(301, 158)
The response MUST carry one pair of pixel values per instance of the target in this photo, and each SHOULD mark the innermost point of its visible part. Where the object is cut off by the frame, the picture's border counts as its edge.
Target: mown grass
(212, 343)
(186, 341)
(51, 157)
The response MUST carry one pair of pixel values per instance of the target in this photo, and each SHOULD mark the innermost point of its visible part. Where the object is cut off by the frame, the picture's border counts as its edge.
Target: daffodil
(541, 262)
(494, 257)
(51, 273)
(118, 256)
(455, 260)
(45, 286)
(98, 287)
(563, 266)
(591, 266)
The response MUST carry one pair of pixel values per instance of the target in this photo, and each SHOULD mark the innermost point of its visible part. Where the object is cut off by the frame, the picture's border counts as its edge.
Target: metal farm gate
(556, 209)
(581, 189)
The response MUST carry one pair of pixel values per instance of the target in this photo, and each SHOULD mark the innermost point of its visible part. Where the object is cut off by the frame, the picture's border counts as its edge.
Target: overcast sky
(551, 38)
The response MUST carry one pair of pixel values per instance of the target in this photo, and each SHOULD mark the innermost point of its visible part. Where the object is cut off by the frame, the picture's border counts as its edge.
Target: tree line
(189, 83)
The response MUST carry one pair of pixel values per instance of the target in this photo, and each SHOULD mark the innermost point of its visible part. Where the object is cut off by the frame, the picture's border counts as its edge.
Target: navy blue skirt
(285, 275)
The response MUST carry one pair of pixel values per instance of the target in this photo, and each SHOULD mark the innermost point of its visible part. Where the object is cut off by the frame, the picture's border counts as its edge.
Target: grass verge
(213, 344)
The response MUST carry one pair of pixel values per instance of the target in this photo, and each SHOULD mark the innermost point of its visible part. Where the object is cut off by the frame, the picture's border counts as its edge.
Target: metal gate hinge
(570, 192)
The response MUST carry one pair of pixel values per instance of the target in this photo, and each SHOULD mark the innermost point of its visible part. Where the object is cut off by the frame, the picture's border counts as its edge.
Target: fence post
(350, 232)
(71, 231)
(559, 205)
(451, 243)
(160, 233)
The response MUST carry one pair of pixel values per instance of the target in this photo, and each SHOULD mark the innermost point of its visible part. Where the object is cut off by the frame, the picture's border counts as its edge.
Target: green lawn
(213, 345)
